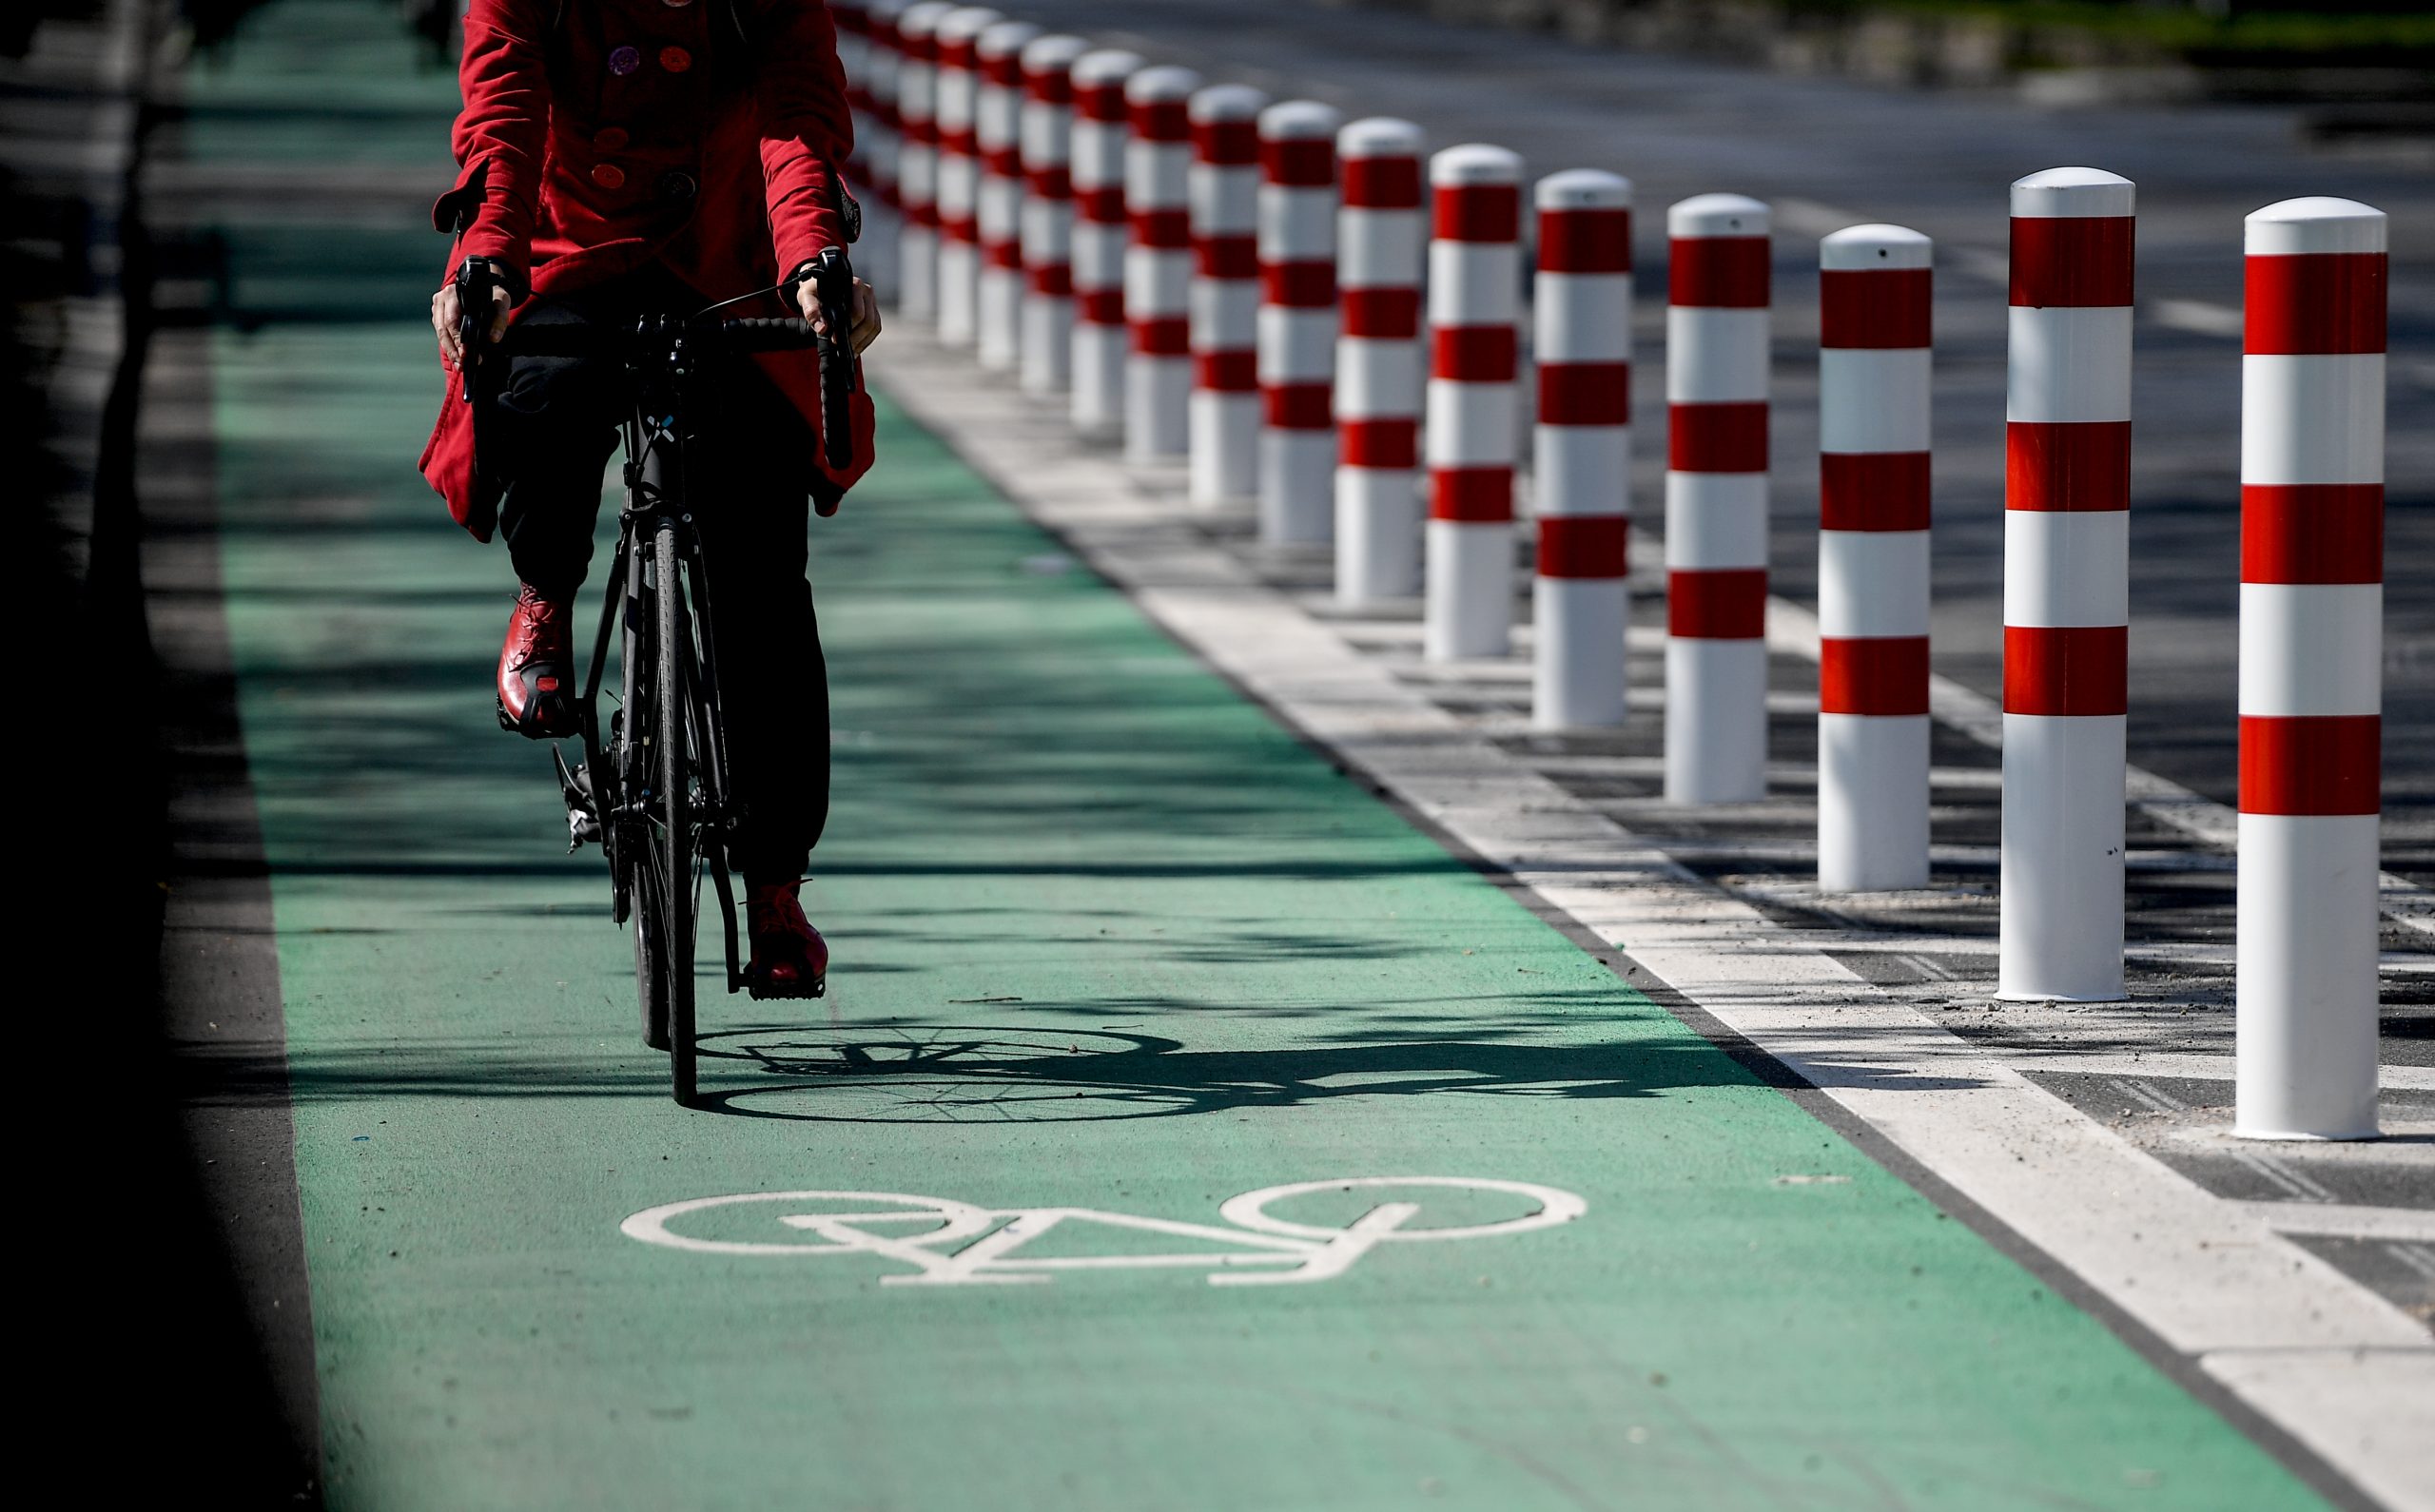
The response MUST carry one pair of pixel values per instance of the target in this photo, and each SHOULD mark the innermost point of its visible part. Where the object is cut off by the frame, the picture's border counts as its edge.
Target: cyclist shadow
(949, 1073)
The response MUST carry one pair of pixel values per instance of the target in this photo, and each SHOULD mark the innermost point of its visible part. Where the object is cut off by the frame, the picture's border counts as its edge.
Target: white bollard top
(1163, 84)
(1379, 136)
(1106, 66)
(1052, 53)
(1228, 102)
(922, 17)
(967, 23)
(1859, 248)
(2316, 223)
(1584, 189)
(884, 9)
(1706, 214)
(1004, 38)
(1298, 121)
(2070, 193)
(1475, 163)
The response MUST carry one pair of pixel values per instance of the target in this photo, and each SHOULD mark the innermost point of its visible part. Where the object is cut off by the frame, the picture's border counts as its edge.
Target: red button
(608, 139)
(609, 176)
(675, 60)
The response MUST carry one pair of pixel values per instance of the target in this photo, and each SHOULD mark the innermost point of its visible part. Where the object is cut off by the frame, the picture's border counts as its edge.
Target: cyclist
(628, 156)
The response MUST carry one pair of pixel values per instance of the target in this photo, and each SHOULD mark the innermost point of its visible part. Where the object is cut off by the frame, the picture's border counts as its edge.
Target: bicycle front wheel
(634, 745)
(674, 804)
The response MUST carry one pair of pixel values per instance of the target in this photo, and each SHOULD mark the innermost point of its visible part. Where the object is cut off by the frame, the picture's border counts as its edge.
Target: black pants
(549, 433)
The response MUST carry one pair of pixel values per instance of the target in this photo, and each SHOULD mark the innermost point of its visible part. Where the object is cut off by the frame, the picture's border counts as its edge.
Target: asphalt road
(1828, 153)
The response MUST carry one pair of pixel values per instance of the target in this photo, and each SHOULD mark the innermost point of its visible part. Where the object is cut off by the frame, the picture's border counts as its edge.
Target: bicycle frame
(657, 499)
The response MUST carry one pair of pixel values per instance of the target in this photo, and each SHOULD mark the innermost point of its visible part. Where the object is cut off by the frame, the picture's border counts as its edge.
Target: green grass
(2296, 37)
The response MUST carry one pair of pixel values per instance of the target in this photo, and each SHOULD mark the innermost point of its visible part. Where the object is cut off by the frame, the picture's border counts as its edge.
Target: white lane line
(2192, 317)
(1793, 630)
(2182, 1066)
(2416, 1255)
(2196, 317)
(2346, 1220)
(2331, 1361)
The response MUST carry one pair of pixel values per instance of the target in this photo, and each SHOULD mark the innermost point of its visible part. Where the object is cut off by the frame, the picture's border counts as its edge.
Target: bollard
(850, 24)
(998, 58)
(2313, 509)
(1046, 245)
(1298, 323)
(1101, 340)
(1474, 274)
(1582, 448)
(1377, 362)
(959, 188)
(1874, 300)
(1716, 500)
(2067, 496)
(1157, 264)
(1224, 413)
(883, 55)
(917, 158)
(877, 257)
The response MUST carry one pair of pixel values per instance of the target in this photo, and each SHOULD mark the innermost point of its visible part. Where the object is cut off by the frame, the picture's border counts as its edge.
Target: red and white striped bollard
(1716, 500)
(2067, 596)
(1297, 323)
(917, 158)
(851, 26)
(1582, 448)
(877, 259)
(959, 99)
(1379, 237)
(1157, 264)
(1101, 233)
(1875, 296)
(1225, 414)
(1047, 241)
(2313, 516)
(1474, 277)
(998, 141)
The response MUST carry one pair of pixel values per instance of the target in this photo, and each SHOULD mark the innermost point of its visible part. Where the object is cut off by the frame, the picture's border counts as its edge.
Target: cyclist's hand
(444, 313)
(866, 329)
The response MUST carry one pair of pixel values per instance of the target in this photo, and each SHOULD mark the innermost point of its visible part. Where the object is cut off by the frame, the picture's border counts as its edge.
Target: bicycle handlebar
(761, 334)
(766, 334)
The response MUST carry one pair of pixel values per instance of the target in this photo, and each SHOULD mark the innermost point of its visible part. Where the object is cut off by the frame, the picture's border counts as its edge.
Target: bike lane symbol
(948, 1242)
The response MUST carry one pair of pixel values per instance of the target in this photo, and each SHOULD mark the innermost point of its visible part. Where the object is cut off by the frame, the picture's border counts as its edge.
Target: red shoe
(536, 670)
(789, 960)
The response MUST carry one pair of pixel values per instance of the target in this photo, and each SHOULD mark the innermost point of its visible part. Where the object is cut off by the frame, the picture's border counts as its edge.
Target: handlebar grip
(837, 394)
(831, 275)
(767, 334)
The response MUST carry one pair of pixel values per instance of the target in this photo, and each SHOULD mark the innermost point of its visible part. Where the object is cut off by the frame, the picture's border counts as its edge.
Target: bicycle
(653, 793)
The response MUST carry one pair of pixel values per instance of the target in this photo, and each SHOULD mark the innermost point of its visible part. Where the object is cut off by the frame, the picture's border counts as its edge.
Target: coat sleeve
(806, 128)
(501, 132)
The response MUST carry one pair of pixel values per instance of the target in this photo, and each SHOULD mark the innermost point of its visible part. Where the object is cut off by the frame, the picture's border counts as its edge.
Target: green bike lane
(1109, 939)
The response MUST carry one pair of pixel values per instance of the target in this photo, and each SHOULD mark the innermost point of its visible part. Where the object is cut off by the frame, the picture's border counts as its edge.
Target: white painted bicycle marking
(952, 1243)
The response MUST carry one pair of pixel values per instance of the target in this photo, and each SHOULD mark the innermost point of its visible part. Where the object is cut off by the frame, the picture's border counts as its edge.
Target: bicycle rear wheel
(674, 810)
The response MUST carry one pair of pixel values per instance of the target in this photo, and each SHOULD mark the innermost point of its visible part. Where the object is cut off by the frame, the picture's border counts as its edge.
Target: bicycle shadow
(927, 1074)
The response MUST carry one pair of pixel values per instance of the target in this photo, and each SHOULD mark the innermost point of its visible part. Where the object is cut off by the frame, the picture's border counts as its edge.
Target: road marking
(985, 1241)
(2196, 317)
(2314, 1352)
(1793, 629)
(2348, 1220)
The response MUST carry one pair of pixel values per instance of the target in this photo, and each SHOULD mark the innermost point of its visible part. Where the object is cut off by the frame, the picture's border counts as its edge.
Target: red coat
(599, 135)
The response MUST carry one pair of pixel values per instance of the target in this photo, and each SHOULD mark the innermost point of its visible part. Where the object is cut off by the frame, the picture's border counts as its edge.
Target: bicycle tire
(635, 854)
(673, 801)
